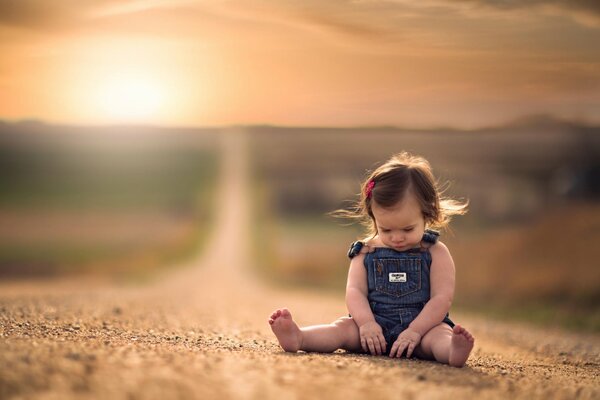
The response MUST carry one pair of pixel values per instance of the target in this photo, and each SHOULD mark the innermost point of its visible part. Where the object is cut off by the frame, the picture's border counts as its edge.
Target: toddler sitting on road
(401, 279)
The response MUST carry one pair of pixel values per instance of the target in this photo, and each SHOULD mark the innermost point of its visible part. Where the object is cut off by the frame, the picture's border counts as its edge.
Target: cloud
(135, 6)
(341, 17)
(584, 12)
(44, 15)
(36, 14)
(358, 18)
(341, 24)
(592, 6)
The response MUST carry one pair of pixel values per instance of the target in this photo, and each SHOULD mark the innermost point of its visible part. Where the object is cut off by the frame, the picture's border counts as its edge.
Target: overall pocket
(398, 276)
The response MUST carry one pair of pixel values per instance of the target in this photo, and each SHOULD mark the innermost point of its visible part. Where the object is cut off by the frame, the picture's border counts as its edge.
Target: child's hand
(407, 340)
(371, 338)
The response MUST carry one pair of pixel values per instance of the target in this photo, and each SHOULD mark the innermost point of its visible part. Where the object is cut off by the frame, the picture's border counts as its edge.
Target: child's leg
(341, 334)
(446, 345)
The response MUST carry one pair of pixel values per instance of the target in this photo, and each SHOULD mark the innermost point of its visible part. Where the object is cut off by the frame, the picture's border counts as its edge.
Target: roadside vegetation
(118, 201)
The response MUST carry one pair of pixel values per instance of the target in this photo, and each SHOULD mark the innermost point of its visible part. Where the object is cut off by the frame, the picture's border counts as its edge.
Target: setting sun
(129, 97)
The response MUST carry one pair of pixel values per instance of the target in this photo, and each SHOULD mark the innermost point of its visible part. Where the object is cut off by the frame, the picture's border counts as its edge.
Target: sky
(460, 63)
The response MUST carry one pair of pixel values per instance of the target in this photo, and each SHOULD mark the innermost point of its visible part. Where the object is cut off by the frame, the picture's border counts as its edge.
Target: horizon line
(535, 118)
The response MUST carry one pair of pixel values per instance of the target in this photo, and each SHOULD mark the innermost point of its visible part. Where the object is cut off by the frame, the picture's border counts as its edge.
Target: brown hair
(389, 184)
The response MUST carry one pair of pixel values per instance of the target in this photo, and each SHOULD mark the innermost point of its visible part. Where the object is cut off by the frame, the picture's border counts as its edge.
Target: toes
(459, 330)
(280, 313)
(276, 314)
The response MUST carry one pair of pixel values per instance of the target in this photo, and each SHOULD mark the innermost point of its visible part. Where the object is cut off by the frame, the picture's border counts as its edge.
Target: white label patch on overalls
(397, 276)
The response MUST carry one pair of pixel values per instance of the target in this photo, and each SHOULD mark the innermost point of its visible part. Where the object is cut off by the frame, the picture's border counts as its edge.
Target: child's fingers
(394, 349)
(371, 345)
(401, 348)
(411, 348)
(383, 342)
(378, 345)
(374, 345)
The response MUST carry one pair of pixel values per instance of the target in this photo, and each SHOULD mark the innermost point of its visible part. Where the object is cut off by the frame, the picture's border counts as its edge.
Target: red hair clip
(369, 188)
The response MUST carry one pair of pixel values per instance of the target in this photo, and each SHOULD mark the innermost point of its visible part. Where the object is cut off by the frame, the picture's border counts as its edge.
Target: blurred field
(122, 201)
(526, 249)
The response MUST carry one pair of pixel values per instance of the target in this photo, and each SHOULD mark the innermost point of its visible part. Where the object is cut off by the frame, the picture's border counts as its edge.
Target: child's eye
(385, 230)
(408, 229)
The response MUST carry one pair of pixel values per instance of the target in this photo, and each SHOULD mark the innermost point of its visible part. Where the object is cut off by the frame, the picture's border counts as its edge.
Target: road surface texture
(202, 333)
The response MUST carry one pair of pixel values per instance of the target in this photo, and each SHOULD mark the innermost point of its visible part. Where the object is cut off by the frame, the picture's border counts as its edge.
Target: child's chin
(405, 247)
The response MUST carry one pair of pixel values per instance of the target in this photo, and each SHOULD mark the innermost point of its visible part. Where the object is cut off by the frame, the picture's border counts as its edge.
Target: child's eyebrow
(406, 227)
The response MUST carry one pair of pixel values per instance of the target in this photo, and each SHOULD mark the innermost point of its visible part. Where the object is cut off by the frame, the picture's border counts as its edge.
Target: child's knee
(441, 331)
(348, 330)
(345, 323)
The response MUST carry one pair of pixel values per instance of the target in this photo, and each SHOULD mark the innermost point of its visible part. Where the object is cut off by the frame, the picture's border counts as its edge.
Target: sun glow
(130, 97)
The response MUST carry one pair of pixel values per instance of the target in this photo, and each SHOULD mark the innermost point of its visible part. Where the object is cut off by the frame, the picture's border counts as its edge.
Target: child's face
(402, 226)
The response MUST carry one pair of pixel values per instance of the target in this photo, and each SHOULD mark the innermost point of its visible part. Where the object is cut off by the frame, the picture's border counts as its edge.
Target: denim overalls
(398, 286)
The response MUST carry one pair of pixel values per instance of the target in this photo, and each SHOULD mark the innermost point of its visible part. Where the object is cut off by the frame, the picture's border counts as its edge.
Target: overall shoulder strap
(430, 237)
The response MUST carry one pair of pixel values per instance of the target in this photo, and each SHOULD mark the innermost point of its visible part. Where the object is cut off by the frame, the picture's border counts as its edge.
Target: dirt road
(203, 333)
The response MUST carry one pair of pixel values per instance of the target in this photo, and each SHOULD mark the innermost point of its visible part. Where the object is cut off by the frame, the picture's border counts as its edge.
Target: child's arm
(371, 334)
(442, 280)
(356, 291)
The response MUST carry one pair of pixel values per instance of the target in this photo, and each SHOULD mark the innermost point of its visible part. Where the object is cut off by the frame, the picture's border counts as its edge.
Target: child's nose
(397, 238)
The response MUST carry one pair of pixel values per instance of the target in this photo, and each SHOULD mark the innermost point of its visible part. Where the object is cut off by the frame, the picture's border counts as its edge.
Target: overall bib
(398, 286)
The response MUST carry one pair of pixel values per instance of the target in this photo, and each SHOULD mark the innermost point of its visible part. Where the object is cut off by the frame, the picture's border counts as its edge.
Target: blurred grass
(542, 313)
(303, 253)
(121, 201)
(130, 258)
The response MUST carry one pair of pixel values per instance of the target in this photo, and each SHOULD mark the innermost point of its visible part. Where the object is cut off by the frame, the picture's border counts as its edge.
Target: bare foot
(286, 330)
(460, 346)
